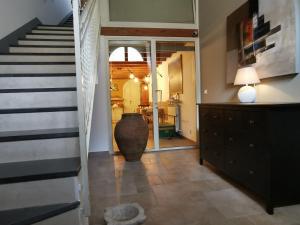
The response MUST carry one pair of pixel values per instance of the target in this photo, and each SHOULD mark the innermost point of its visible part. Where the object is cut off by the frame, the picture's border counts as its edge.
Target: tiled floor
(175, 190)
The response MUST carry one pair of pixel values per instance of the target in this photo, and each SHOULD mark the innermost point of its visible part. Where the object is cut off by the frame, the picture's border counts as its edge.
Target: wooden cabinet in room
(257, 145)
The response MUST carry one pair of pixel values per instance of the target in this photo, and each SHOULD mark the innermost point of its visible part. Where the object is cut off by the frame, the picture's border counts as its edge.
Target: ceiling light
(146, 88)
(136, 80)
(131, 76)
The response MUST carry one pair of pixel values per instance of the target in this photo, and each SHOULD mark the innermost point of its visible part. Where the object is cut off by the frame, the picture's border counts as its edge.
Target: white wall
(16, 13)
(213, 15)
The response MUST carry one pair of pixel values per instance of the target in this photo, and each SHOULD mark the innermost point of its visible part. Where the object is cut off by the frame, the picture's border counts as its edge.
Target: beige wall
(213, 15)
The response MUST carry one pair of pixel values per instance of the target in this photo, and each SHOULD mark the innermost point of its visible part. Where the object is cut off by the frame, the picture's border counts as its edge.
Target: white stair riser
(35, 121)
(40, 50)
(39, 58)
(36, 82)
(39, 193)
(39, 149)
(54, 28)
(51, 32)
(38, 100)
(36, 69)
(54, 43)
(60, 37)
(69, 218)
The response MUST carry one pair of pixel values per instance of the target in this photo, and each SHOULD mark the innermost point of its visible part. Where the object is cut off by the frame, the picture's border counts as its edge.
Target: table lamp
(247, 76)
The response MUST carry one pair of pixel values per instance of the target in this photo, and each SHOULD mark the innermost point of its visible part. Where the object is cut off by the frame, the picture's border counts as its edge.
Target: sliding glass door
(158, 80)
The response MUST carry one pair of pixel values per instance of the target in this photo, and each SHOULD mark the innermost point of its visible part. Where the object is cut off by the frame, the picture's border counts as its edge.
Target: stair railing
(87, 44)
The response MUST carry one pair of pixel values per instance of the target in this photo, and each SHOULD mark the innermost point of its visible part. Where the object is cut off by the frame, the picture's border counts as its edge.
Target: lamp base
(247, 94)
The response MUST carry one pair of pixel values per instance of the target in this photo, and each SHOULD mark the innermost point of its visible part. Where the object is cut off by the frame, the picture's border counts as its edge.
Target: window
(153, 11)
(119, 55)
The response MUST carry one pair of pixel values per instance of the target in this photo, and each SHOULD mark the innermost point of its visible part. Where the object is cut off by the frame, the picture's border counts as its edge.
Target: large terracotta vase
(131, 134)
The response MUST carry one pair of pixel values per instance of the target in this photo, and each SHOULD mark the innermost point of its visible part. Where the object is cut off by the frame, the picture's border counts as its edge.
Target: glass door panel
(176, 94)
(131, 90)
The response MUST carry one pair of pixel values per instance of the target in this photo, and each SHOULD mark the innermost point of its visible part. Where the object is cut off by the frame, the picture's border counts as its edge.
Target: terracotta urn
(131, 134)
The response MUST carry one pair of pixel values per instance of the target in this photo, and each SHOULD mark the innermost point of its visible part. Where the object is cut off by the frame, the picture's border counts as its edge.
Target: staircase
(39, 137)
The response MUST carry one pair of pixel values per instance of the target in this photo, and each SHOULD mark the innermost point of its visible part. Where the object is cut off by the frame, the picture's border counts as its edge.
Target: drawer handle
(251, 122)
(231, 162)
(230, 118)
(215, 117)
(251, 145)
(251, 172)
(215, 134)
(230, 139)
(217, 154)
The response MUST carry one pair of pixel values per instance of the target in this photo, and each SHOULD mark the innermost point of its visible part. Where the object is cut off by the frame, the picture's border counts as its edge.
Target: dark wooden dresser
(257, 145)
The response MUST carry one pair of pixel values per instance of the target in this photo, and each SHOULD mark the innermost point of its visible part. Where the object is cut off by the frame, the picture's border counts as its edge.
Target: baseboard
(12, 38)
(65, 18)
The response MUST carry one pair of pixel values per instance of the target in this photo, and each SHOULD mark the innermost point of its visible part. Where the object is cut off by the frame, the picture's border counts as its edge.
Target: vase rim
(131, 114)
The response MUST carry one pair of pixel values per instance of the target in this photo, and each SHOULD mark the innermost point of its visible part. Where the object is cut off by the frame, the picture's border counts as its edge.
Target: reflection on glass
(176, 94)
(129, 75)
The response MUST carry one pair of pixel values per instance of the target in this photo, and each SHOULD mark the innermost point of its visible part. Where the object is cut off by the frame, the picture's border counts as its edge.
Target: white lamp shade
(246, 75)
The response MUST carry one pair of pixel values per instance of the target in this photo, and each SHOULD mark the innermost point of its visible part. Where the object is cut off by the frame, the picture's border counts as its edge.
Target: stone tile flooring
(175, 190)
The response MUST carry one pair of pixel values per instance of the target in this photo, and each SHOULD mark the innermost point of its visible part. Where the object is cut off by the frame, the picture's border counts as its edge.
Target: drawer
(211, 118)
(213, 155)
(254, 120)
(233, 139)
(232, 119)
(233, 164)
(255, 176)
(212, 137)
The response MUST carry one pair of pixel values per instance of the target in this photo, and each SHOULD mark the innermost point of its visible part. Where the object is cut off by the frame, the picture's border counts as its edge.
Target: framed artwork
(175, 76)
(263, 33)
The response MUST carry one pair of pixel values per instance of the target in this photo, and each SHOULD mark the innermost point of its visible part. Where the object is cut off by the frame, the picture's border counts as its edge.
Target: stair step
(38, 120)
(44, 36)
(32, 215)
(39, 170)
(43, 31)
(38, 100)
(52, 27)
(42, 49)
(31, 149)
(38, 110)
(37, 63)
(36, 82)
(38, 75)
(40, 69)
(32, 90)
(45, 42)
(38, 134)
(37, 58)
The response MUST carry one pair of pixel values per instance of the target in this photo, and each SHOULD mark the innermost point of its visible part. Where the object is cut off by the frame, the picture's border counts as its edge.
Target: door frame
(153, 40)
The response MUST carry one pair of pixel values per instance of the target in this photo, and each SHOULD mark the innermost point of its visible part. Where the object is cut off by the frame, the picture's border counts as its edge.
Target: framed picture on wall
(263, 34)
(175, 76)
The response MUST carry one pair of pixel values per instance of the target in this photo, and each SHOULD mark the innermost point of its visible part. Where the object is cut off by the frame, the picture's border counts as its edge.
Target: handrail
(87, 39)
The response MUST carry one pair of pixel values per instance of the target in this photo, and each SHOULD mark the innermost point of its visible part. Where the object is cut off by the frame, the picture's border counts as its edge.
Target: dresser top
(277, 105)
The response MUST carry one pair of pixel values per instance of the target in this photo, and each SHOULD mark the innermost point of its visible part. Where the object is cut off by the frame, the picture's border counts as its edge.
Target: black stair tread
(50, 34)
(27, 216)
(38, 63)
(12, 136)
(53, 29)
(38, 110)
(42, 46)
(31, 90)
(17, 172)
(39, 75)
(45, 25)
